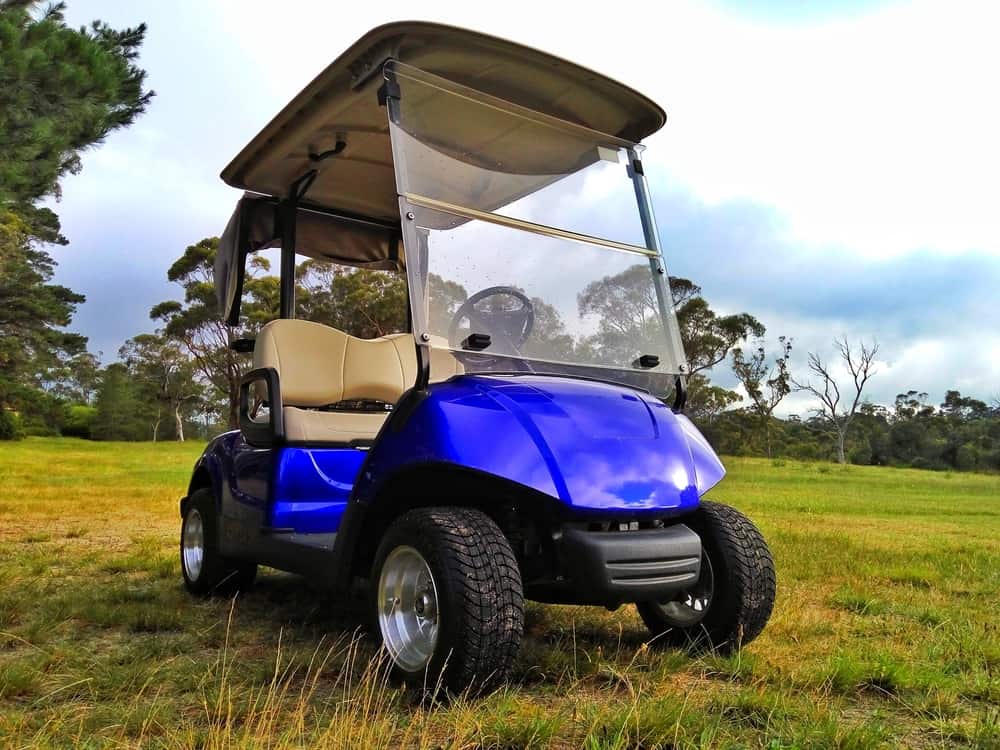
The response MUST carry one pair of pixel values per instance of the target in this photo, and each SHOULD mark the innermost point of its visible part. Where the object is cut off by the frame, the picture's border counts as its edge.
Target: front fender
(596, 447)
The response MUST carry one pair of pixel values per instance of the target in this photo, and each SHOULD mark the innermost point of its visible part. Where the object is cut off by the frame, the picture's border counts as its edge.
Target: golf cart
(524, 439)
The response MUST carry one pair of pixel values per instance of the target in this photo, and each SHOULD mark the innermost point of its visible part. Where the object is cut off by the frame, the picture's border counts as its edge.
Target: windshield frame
(415, 239)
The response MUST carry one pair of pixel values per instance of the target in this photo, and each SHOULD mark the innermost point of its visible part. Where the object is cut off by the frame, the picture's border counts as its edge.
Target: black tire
(737, 569)
(216, 574)
(480, 603)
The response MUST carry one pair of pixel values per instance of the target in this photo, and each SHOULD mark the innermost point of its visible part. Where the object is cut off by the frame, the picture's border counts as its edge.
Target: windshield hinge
(680, 394)
(388, 90)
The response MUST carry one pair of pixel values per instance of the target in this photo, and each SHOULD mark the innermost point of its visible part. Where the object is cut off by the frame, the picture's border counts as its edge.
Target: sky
(828, 167)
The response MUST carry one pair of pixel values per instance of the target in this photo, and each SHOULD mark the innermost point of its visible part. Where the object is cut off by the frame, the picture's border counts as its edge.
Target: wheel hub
(193, 544)
(408, 618)
(691, 605)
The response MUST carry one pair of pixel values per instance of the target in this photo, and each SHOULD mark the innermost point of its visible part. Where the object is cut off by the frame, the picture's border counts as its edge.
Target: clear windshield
(526, 246)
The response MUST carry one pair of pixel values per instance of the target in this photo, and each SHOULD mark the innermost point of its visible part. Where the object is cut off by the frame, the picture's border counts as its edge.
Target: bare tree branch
(861, 367)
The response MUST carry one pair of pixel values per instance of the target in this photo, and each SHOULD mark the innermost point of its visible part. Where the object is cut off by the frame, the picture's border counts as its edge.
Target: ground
(885, 631)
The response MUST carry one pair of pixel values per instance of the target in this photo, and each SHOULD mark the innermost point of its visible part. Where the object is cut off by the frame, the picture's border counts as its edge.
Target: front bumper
(613, 567)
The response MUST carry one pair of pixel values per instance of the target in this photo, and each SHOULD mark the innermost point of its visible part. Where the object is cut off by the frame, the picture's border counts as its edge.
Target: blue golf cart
(524, 439)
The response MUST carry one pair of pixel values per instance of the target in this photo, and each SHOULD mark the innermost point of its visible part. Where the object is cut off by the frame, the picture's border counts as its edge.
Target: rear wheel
(448, 599)
(206, 571)
(732, 600)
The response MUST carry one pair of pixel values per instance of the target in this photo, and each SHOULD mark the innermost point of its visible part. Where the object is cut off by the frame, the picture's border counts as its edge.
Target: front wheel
(447, 599)
(732, 600)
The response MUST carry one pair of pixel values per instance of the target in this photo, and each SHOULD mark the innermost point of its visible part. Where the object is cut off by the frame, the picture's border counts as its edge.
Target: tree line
(65, 90)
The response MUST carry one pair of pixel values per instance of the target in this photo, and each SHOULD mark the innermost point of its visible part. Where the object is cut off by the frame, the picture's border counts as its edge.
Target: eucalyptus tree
(836, 408)
(165, 377)
(766, 382)
(197, 325)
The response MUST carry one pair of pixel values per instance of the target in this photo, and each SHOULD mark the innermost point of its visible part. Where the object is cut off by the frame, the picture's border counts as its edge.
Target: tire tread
(483, 579)
(745, 577)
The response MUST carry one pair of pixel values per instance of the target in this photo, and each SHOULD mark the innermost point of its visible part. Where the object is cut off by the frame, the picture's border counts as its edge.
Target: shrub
(10, 429)
(966, 457)
(78, 421)
(862, 455)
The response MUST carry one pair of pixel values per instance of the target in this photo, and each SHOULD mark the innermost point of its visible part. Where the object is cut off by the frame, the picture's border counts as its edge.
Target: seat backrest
(318, 365)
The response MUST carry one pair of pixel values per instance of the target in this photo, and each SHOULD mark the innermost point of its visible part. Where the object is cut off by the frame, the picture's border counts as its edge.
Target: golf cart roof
(336, 125)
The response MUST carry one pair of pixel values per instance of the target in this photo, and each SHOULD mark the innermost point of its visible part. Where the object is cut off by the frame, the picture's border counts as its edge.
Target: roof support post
(289, 210)
(289, 214)
(661, 281)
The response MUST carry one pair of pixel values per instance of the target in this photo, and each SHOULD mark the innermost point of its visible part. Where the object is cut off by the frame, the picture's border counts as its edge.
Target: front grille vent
(619, 526)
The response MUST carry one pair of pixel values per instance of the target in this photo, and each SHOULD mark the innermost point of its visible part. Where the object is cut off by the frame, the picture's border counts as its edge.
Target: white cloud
(877, 134)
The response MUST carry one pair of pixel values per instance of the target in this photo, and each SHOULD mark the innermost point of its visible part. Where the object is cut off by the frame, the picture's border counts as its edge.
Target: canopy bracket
(323, 155)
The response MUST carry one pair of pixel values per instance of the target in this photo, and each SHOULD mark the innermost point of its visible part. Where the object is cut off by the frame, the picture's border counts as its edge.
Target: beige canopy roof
(340, 106)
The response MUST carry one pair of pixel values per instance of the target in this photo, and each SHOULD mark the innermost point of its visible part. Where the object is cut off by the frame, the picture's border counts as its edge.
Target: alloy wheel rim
(691, 605)
(408, 608)
(193, 544)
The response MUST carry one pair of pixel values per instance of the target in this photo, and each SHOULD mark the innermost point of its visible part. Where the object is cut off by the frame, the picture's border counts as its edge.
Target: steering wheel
(511, 326)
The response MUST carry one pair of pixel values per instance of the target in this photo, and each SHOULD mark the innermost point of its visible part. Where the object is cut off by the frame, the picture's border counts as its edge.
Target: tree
(707, 402)
(834, 410)
(122, 414)
(911, 404)
(628, 313)
(361, 302)
(62, 90)
(196, 323)
(33, 311)
(961, 408)
(765, 384)
(75, 379)
(165, 376)
(549, 338)
(708, 337)
(445, 297)
(79, 421)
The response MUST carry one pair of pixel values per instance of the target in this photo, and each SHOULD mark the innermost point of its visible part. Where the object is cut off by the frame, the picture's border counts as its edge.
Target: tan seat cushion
(318, 365)
(310, 426)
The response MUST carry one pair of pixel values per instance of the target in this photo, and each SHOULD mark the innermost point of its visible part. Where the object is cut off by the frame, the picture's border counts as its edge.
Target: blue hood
(592, 445)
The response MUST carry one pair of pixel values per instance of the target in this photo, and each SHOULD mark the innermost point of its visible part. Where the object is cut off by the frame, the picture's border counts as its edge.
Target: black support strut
(289, 210)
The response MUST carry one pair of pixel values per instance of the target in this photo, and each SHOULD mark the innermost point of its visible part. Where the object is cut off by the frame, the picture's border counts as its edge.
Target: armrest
(262, 434)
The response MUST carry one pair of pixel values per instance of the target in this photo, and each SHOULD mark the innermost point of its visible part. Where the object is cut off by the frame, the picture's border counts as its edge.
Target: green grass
(886, 630)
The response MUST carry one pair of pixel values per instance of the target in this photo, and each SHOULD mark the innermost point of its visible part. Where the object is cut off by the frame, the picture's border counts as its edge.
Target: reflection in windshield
(537, 296)
(623, 306)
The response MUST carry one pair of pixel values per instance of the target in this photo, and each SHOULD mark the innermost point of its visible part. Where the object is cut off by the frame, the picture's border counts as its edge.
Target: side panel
(267, 497)
(311, 488)
(598, 448)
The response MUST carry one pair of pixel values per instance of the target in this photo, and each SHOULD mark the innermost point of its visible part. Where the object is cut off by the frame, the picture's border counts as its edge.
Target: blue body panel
(304, 490)
(312, 487)
(597, 447)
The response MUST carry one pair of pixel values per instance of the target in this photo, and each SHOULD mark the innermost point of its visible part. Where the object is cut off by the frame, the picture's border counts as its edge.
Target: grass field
(886, 631)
